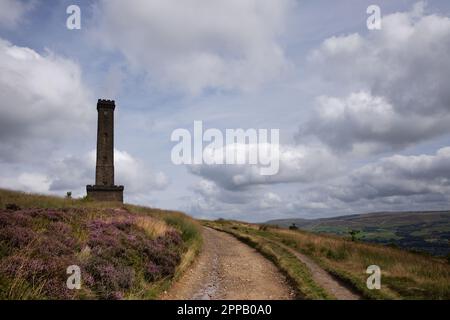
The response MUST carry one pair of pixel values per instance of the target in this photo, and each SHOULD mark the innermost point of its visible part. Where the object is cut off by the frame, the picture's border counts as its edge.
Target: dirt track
(228, 269)
(324, 279)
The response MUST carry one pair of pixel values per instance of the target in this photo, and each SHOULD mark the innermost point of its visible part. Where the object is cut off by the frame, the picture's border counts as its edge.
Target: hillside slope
(420, 231)
(404, 275)
(123, 251)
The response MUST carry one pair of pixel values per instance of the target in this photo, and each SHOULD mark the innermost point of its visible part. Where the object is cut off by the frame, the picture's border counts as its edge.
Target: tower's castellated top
(106, 103)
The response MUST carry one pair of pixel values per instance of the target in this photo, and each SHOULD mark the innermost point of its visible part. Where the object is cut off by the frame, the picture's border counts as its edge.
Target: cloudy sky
(364, 115)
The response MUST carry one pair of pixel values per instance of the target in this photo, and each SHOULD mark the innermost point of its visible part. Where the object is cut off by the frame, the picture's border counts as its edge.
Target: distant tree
(69, 195)
(355, 235)
(293, 226)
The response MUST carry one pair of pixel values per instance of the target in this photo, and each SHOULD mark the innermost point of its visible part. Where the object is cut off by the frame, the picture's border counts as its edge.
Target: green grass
(381, 235)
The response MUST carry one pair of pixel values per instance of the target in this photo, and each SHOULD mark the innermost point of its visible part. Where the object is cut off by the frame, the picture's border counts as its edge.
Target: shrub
(120, 243)
(115, 253)
(293, 227)
(12, 206)
(16, 236)
(355, 235)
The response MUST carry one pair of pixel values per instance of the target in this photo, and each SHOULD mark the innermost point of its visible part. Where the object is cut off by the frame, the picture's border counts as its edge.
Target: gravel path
(228, 269)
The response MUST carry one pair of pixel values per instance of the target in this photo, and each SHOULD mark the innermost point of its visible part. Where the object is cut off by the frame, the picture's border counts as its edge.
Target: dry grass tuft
(153, 227)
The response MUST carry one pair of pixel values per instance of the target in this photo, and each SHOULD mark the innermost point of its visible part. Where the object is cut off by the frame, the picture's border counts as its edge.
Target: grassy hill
(123, 251)
(420, 231)
(132, 252)
(405, 275)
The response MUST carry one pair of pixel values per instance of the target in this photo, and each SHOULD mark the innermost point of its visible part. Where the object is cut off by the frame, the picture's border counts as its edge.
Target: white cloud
(296, 164)
(364, 123)
(270, 200)
(43, 101)
(27, 181)
(398, 182)
(400, 175)
(198, 44)
(388, 89)
(213, 201)
(229, 191)
(135, 174)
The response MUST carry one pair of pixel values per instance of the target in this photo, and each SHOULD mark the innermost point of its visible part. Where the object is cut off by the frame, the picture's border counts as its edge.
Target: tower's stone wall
(104, 193)
(104, 188)
(104, 175)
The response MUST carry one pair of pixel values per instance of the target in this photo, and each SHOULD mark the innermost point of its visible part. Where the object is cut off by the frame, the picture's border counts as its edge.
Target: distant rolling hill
(420, 231)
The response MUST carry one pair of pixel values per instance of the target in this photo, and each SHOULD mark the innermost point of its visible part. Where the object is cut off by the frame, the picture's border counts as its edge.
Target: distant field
(418, 231)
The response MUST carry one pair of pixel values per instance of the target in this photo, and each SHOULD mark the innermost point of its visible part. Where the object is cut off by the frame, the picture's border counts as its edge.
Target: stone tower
(104, 188)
